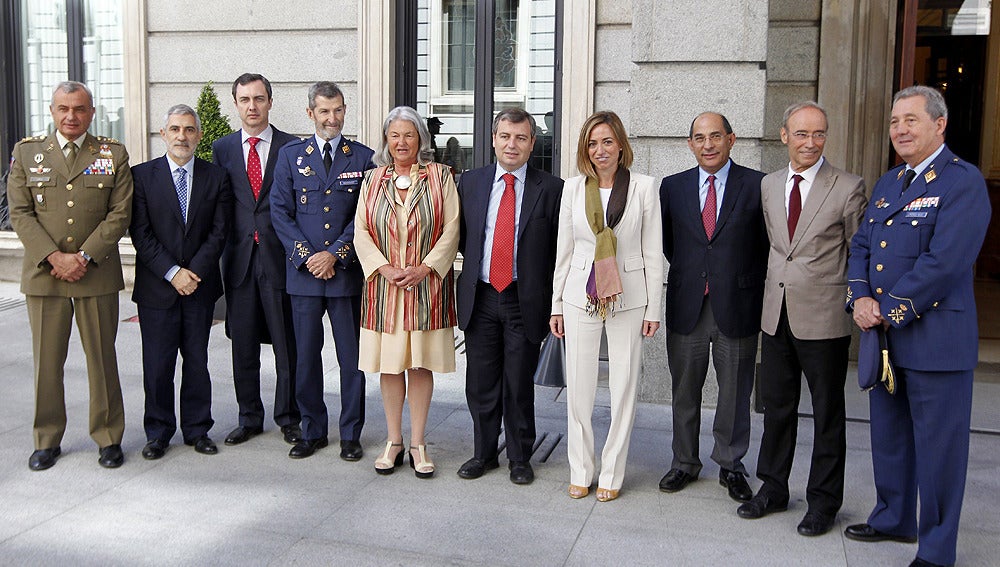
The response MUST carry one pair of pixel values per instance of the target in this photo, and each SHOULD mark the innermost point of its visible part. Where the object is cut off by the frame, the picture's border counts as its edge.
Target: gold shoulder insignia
(107, 140)
(32, 138)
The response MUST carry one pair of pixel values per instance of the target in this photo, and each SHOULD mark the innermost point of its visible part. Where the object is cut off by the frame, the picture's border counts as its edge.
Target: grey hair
(514, 115)
(325, 89)
(71, 87)
(935, 104)
(426, 153)
(799, 106)
(181, 109)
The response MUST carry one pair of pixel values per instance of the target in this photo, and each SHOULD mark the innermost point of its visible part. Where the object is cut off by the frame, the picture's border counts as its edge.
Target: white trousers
(583, 345)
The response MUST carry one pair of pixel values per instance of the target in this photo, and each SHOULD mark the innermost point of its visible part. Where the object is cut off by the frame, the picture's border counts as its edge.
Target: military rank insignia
(345, 148)
(930, 176)
(309, 150)
(898, 314)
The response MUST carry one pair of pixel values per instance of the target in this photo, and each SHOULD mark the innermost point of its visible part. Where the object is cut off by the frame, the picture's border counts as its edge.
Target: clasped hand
(404, 277)
(185, 281)
(868, 313)
(67, 267)
(321, 265)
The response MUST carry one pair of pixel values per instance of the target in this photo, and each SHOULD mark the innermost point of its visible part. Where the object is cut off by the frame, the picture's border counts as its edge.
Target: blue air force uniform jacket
(313, 210)
(914, 254)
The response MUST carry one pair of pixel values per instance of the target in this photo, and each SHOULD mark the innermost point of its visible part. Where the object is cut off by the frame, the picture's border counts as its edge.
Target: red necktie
(794, 206)
(502, 261)
(708, 214)
(254, 173)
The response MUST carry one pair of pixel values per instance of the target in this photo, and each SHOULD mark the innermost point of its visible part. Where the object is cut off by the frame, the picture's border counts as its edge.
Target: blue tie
(180, 183)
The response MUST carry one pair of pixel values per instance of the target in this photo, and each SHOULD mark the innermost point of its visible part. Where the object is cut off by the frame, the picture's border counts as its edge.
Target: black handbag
(551, 369)
(874, 364)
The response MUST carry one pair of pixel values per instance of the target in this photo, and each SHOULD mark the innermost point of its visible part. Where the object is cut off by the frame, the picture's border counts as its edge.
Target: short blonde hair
(583, 162)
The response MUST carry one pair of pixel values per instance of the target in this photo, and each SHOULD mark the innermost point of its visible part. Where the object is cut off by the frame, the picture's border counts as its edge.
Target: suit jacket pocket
(633, 263)
(580, 261)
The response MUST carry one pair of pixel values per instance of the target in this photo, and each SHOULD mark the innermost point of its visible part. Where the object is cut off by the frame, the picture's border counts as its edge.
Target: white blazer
(640, 248)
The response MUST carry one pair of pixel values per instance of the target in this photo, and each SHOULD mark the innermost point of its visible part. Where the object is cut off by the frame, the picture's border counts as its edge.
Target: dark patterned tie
(708, 214)
(502, 260)
(794, 206)
(181, 184)
(908, 178)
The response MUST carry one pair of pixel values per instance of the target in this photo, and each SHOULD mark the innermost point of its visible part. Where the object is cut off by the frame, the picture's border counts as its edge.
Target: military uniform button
(69, 221)
(888, 222)
(69, 186)
(326, 243)
(70, 203)
(39, 183)
(303, 189)
(878, 267)
(327, 226)
(328, 191)
(350, 190)
(935, 304)
(100, 186)
(914, 223)
(882, 244)
(878, 290)
(69, 239)
(326, 209)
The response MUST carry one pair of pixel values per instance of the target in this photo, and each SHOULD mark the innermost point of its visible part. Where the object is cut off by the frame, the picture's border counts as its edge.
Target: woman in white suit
(609, 276)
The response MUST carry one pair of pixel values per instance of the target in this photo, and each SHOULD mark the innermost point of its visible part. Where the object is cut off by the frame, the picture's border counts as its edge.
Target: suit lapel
(774, 193)
(820, 190)
(162, 176)
(195, 188)
(532, 192)
(692, 195)
(241, 185)
(481, 183)
(734, 185)
(272, 160)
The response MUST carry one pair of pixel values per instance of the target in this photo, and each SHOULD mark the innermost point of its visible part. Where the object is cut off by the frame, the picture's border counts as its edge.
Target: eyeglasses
(700, 139)
(816, 136)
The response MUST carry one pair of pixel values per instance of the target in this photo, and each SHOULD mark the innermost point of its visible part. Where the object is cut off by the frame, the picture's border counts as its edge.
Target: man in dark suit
(315, 195)
(910, 270)
(253, 265)
(505, 314)
(812, 209)
(716, 243)
(179, 226)
(70, 203)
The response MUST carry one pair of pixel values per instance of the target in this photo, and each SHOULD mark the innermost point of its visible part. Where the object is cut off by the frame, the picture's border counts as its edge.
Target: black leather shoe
(737, 485)
(204, 445)
(814, 524)
(475, 468)
(154, 449)
(675, 480)
(521, 472)
(43, 458)
(292, 433)
(864, 532)
(760, 506)
(242, 434)
(918, 562)
(306, 447)
(111, 457)
(351, 450)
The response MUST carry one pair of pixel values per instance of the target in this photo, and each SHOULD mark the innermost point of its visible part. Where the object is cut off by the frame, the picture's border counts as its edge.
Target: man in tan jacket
(70, 203)
(811, 210)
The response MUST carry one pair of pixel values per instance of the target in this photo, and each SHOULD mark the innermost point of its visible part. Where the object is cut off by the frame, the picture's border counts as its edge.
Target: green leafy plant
(213, 124)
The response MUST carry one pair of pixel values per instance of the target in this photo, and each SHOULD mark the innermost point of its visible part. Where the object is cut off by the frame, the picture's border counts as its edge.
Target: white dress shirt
(496, 193)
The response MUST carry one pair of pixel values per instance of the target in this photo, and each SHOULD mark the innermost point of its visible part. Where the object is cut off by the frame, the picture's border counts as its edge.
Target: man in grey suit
(811, 210)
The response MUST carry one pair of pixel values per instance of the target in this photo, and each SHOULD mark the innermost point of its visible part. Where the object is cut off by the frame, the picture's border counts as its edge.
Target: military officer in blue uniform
(313, 201)
(910, 270)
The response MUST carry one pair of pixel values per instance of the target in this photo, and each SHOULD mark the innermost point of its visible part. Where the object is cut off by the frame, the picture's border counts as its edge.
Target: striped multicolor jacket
(432, 231)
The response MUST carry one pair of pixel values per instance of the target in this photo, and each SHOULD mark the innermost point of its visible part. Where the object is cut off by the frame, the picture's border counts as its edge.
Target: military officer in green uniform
(70, 203)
